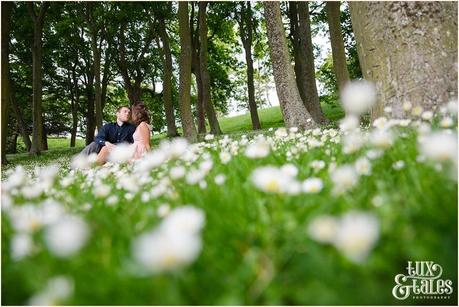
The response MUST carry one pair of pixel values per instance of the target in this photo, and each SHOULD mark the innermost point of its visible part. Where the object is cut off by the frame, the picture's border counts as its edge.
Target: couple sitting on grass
(138, 134)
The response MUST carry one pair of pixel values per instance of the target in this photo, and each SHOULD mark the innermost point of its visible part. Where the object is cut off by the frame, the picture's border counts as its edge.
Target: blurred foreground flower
(174, 244)
(354, 233)
(358, 97)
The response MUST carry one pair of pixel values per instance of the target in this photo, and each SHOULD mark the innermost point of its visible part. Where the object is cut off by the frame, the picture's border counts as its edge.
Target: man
(113, 133)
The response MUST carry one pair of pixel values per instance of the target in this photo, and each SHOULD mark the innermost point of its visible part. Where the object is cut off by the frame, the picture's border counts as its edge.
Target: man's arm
(102, 135)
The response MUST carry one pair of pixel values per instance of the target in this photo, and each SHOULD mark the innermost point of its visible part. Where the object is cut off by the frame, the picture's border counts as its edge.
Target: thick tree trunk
(206, 95)
(189, 129)
(293, 110)
(246, 37)
(308, 88)
(37, 116)
(337, 43)
(195, 68)
(409, 49)
(7, 8)
(106, 75)
(167, 81)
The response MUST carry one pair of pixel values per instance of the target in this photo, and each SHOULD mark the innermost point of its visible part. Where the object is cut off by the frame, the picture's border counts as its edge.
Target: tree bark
(206, 94)
(90, 116)
(246, 31)
(189, 129)
(293, 110)
(18, 115)
(96, 53)
(167, 81)
(195, 68)
(74, 102)
(7, 9)
(308, 87)
(409, 49)
(37, 46)
(337, 43)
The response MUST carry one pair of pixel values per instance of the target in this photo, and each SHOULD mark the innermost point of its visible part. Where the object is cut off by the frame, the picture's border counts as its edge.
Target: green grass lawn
(235, 125)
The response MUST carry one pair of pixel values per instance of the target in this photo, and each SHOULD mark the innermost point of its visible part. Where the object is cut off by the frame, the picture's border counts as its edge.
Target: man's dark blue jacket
(115, 134)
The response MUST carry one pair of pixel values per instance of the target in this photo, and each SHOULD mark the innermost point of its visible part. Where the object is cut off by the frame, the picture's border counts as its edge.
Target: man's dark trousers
(93, 147)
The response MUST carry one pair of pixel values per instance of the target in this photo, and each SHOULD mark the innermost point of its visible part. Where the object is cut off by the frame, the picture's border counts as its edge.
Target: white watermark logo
(422, 281)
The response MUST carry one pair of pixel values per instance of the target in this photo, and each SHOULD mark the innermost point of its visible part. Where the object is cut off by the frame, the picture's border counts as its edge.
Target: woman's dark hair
(140, 113)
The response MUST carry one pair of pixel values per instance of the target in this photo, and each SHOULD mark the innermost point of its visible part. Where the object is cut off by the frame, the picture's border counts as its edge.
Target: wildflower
(163, 210)
(121, 153)
(381, 139)
(257, 149)
(356, 235)
(67, 236)
(281, 133)
(225, 157)
(350, 122)
(439, 146)
(271, 179)
(323, 228)
(358, 97)
(21, 246)
(417, 111)
(446, 122)
(317, 165)
(289, 169)
(353, 141)
(312, 185)
(174, 244)
(344, 177)
(177, 172)
(220, 179)
(407, 106)
(427, 115)
(57, 289)
(398, 165)
(363, 166)
(209, 137)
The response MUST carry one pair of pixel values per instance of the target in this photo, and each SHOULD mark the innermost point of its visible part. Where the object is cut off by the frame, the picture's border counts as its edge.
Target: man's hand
(109, 145)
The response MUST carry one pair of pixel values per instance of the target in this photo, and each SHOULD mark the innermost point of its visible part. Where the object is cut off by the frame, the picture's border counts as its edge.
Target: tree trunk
(308, 87)
(37, 116)
(409, 49)
(44, 138)
(337, 43)
(106, 74)
(7, 8)
(18, 115)
(195, 68)
(206, 95)
(293, 110)
(90, 118)
(96, 53)
(189, 129)
(246, 37)
(73, 84)
(167, 81)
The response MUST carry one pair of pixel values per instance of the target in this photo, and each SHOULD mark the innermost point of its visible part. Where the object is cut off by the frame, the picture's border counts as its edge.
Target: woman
(143, 132)
(141, 136)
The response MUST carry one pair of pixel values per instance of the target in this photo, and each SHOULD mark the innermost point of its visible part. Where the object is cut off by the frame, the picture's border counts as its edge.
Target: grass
(256, 245)
(59, 147)
(256, 248)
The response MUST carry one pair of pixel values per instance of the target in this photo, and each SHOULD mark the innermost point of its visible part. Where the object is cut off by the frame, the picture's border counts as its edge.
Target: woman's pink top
(141, 144)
